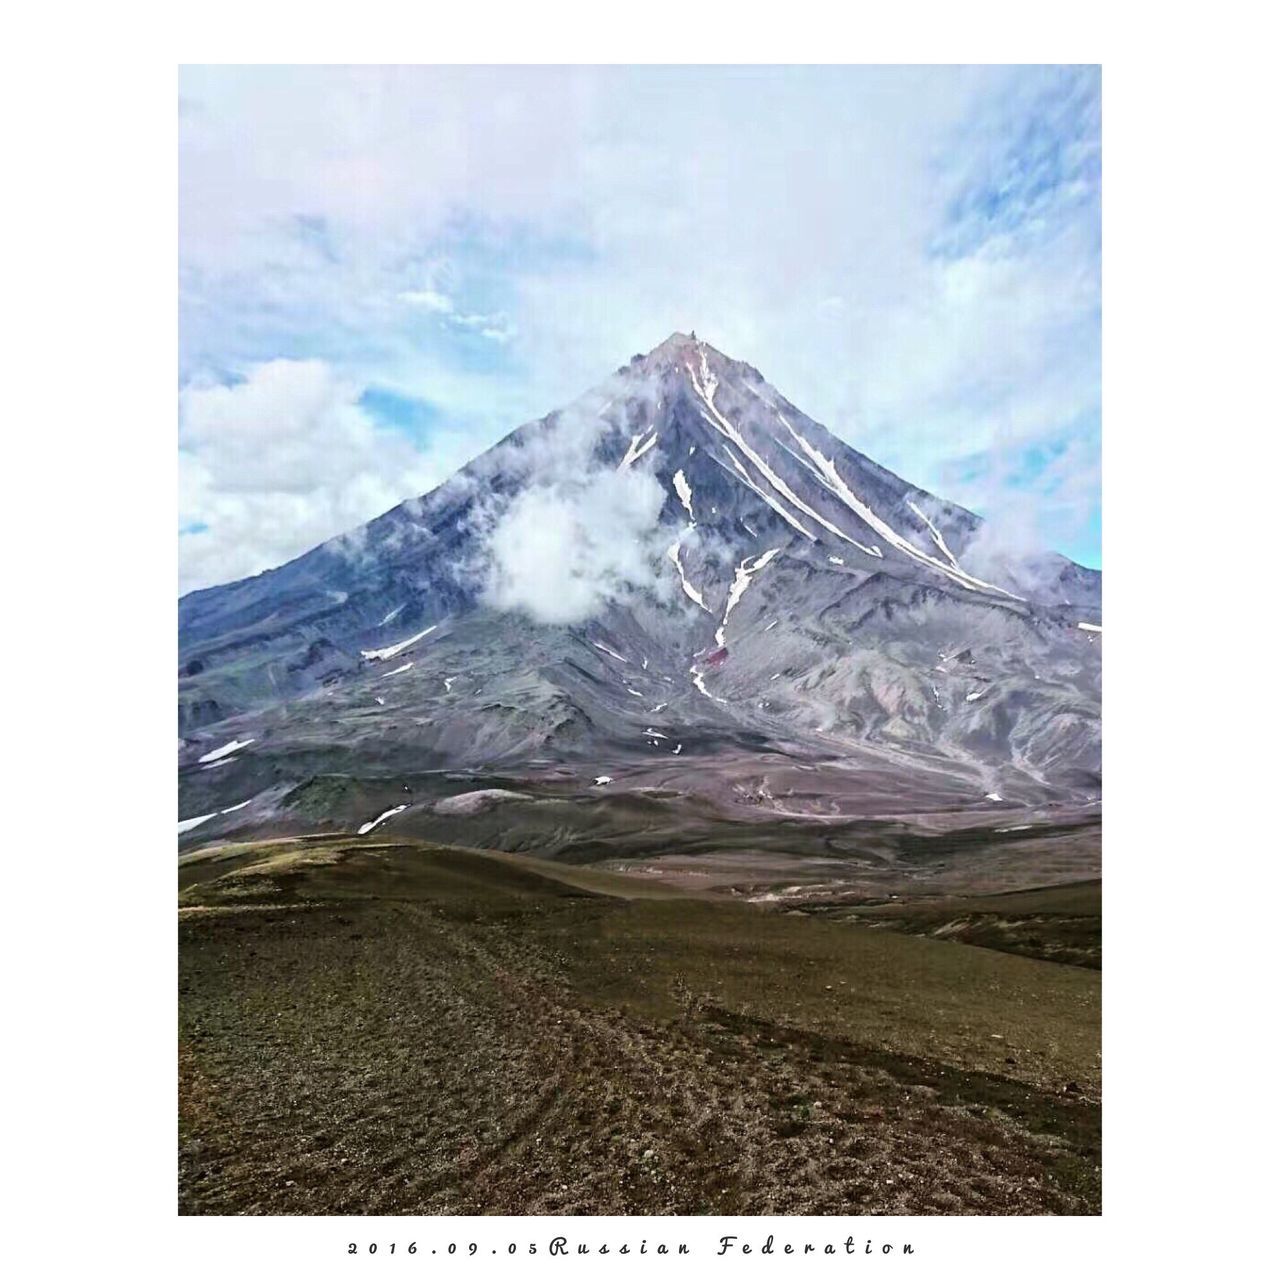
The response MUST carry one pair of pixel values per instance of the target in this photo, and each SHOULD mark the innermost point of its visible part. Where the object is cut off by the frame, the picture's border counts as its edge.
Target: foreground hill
(396, 1027)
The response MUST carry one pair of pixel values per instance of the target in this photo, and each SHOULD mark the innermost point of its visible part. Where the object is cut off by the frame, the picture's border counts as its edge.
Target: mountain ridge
(681, 530)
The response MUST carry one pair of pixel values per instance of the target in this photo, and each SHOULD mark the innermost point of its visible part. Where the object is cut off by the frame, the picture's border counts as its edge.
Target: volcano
(676, 613)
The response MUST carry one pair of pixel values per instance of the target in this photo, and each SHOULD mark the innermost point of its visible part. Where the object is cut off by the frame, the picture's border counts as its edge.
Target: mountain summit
(678, 589)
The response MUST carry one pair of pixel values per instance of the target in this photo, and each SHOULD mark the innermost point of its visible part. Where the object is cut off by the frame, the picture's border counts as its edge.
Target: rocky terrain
(388, 1027)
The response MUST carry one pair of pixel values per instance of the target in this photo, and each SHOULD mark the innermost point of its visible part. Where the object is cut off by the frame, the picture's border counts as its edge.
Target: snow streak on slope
(673, 554)
(764, 497)
(685, 493)
(825, 470)
(937, 537)
(604, 648)
(1089, 626)
(219, 752)
(706, 391)
(701, 686)
(637, 450)
(381, 655)
(366, 827)
(741, 581)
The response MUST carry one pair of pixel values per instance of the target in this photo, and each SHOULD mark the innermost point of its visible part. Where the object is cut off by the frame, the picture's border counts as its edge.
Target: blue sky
(384, 270)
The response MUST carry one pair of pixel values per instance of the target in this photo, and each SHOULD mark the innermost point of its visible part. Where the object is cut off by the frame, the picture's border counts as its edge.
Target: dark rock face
(774, 592)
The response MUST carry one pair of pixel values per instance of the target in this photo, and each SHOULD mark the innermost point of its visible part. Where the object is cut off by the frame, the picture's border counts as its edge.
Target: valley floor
(406, 1028)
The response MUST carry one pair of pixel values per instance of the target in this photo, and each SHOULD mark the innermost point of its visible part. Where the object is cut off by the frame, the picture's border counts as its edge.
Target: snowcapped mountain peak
(680, 537)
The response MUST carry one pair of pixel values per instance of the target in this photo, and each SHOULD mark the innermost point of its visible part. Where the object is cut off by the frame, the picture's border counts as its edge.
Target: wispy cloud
(272, 465)
(911, 254)
(495, 327)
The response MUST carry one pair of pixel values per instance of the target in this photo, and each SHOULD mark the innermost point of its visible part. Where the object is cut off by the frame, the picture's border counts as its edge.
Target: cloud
(494, 327)
(432, 299)
(561, 552)
(274, 464)
(910, 254)
(1037, 498)
(579, 534)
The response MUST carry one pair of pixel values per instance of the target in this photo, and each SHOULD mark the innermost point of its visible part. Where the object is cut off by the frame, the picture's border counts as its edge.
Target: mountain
(678, 611)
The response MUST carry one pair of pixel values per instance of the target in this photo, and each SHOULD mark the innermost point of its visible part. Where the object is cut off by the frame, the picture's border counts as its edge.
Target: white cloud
(282, 461)
(563, 550)
(432, 299)
(908, 253)
(495, 327)
(580, 534)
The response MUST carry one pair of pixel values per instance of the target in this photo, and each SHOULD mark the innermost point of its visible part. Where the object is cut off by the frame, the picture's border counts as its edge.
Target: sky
(384, 270)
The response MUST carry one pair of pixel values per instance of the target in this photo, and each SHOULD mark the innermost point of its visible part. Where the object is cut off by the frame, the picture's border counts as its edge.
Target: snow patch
(604, 648)
(233, 745)
(937, 537)
(187, 823)
(382, 817)
(637, 450)
(741, 581)
(381, 655)
(602, 781)
(1090, 626)
(398, 670)
(673, 554)
(700, 685)
(685, 492)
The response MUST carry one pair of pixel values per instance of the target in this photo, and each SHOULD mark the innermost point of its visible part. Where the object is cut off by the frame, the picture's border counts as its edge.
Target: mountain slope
(680, 582)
